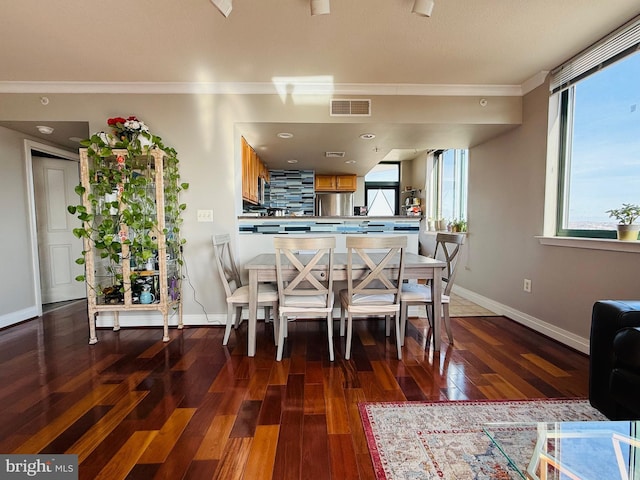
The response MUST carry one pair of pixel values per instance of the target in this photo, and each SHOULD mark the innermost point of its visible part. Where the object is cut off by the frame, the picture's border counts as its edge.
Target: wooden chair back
(226, 263)
(306, 274)
(449, 245)
(376, 254)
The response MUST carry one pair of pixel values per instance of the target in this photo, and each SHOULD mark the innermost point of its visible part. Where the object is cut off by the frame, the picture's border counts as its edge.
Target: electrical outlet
(205, 215)
(527, 285)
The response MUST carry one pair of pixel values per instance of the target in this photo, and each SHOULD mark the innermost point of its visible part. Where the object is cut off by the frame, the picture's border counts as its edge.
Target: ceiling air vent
(334, 154)
(350, 108)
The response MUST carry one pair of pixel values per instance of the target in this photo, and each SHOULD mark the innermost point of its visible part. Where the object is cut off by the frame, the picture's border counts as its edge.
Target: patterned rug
(445, 440)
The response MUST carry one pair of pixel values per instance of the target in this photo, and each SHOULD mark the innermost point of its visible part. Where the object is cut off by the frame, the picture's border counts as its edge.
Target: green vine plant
(120, 205)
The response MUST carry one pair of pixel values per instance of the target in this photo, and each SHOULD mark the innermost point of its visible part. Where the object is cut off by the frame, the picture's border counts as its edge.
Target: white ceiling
(363, 45)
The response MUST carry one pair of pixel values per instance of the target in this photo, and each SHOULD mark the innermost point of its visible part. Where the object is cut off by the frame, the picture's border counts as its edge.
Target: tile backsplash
(293, 190)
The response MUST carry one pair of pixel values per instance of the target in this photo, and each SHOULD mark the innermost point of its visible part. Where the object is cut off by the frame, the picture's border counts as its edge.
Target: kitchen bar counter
(315, 225)
(256, 233)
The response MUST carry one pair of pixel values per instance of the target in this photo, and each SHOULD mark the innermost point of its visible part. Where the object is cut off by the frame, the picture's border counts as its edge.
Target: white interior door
(54, 184)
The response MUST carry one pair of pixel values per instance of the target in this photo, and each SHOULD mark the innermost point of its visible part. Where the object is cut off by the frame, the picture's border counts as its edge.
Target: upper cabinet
(252, 170)
(336, 183)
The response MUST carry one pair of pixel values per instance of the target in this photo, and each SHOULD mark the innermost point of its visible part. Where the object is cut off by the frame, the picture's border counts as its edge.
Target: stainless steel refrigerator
(334, 204)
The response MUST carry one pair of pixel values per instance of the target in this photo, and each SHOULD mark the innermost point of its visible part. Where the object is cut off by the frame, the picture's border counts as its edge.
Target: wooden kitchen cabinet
(252, 169)
(346, 183)
(336, 183)
(325, 183)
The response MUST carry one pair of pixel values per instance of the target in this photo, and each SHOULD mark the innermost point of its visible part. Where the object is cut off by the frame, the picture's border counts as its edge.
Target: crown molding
(534, 82)
(247, 88)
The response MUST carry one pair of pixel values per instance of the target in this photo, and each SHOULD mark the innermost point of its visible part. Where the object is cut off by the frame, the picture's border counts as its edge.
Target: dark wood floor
(134, 407)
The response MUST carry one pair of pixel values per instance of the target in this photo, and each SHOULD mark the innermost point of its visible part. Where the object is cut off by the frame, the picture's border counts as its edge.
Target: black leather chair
(614, 364)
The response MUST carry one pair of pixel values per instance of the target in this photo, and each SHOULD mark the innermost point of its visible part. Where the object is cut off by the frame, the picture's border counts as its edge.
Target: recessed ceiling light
(285, 135)
(349, 161)
(45, 130)
(368, 136)
(292, 161)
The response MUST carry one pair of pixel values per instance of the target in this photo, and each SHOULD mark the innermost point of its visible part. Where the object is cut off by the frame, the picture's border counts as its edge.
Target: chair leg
(347, 354)
(387, 325)
(330, 335)
(275, 322)
(227, 328)
(342, 321)
(238, 317)
(404, 311)
(266, 313)
(429, 309)
(399, 336)
(447, 321)
(282, 319)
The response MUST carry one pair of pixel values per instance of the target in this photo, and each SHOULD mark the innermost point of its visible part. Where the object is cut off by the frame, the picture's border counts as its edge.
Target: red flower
(114, 121)
(133, 118)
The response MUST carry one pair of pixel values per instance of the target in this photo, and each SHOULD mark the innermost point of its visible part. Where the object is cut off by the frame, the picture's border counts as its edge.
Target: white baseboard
(19, 316)
(154, 319)
(563, 336)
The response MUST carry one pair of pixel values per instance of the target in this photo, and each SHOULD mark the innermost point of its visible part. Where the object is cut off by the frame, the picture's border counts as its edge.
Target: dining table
(262, 269)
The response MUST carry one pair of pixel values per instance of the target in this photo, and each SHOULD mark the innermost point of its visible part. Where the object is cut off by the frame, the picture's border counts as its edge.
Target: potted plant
(626, 216)
(459, 225)
(122, 193)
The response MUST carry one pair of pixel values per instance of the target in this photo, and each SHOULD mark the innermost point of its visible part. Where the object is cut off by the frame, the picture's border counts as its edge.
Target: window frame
(461, 184)
(565, 157)
(385, 185)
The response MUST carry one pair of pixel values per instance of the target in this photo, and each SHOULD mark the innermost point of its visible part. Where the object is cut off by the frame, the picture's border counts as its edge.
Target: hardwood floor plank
(344, 464)
(198, 470)
(263, 453)
(315, 463)
(216, 438)
(55, 427)
(126, 458)
(545, 365)
(314, 399)
(287, 463)
(159, 449)
(271, 409)
(103, 427)
(246, 419)
(337, 415)
(234, 459)
(132, 406)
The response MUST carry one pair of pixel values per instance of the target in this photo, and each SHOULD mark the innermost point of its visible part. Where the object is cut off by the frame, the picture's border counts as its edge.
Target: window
(449, 185)
(382, 189)
(599, 146)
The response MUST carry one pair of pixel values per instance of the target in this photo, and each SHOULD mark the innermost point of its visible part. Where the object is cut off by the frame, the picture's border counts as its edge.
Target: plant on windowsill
(122, 193)
(626, 216)
(459, 225)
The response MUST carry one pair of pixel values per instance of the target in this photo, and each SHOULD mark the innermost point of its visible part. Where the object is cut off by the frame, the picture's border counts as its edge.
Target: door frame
(29, 146)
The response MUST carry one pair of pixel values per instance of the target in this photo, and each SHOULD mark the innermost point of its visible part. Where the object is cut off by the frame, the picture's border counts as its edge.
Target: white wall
(203, 129)
(506, 205)
(16, 281)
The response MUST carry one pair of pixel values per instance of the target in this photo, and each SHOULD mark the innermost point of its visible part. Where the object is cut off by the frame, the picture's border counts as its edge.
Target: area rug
(445, 440)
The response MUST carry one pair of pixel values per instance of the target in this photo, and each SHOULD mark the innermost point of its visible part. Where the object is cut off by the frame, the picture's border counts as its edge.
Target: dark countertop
(310, 217)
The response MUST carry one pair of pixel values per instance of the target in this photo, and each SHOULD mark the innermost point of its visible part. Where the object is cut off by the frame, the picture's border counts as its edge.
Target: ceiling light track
(323, 7)
(423, 7)
(224, 6)
(320, 7)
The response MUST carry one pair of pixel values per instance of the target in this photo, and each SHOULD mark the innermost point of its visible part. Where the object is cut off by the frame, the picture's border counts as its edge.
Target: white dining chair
(237, 295)
(372, 287)
(305, 282)
(448, 246)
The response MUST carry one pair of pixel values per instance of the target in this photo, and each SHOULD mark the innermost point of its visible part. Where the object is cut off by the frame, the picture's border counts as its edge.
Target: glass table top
(570, 450)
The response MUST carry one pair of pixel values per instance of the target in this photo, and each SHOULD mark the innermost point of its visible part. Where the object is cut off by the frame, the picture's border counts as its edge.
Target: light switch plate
(205, 215)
